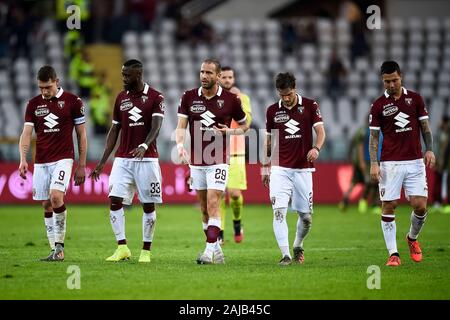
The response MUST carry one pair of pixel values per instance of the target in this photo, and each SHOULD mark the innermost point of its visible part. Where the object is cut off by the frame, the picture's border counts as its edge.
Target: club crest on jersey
(301, 109)
(220, 103)
(382, 191)
(408, 101)
(144, 99)
(61, 104)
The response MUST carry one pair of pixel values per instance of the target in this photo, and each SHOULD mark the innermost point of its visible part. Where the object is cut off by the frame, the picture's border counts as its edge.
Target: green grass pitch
(338, 252)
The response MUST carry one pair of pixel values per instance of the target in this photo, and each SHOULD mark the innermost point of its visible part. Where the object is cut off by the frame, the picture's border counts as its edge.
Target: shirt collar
(299, 102)
(145, 91)
(219, 91)
(387, 95)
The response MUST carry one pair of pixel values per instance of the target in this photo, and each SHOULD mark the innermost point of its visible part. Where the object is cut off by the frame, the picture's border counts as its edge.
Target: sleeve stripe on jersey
(423, 118)
(79, 120)
(158, 115)
(181, 115)
(29, 124)
(115, 122)
(374, 128)
(318, 123)
(242, 120)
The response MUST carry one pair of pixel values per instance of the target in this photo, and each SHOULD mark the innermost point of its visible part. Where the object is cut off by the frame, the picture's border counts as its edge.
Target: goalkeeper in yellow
(237, 178)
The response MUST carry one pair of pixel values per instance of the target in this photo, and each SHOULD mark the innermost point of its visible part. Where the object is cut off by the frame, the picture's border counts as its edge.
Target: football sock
(389, 231)
(303, 226)
(148, 228)
(237, 206)
(212, 232)
(117, 219)
(48, 219)
(416, 225)
(59, 224)
(205, 228)
(280, 228)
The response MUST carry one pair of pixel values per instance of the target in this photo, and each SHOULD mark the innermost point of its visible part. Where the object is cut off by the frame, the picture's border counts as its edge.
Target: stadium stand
(421, 46)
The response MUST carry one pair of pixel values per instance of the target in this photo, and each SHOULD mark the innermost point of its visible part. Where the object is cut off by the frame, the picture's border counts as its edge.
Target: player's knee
(148, 207)
(56, 199)
(389, 207)
(420, 207)
(115, 203)
(306, 219)
(235, 194)
(47, 205)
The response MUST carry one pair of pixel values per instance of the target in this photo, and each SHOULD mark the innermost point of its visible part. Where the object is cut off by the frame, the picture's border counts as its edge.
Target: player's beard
(208, 85)
(130, 86)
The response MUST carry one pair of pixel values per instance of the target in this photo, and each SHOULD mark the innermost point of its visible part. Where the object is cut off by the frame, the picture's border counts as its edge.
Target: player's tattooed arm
(373, 145)
(429, 158)
(375, 174)
(24, 146)
(426, 134)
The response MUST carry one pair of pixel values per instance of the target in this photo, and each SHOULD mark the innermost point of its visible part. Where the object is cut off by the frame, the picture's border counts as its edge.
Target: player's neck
(138, 88)
(398, 94)
(293, 105)
(209, 93)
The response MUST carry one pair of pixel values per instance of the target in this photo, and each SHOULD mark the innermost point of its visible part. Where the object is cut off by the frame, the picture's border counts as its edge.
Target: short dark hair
(133, 63)
(285, 81)
(389, 67)
(228, 68)
(46, 73)
(215, 62)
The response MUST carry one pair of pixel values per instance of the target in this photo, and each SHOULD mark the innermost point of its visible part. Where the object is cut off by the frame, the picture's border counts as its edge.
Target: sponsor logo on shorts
(58, 182)
(197, 108)
(41, 112)
(389, 111)
(34, 192)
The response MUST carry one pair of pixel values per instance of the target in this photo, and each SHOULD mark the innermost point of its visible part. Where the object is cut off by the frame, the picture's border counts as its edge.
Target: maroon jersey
(292, 130)
(399, 121)
(134, 113)
(203, 114)
(53, 121)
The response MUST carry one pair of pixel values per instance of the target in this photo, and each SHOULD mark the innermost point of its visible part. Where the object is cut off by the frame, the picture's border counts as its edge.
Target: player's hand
(95, 174)
(429, 159)
(23, 168)
(183, 155)
(138, 153)
(266, 180)
(312, 155)
(220, 129)
(80, 175)
(375, 173)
